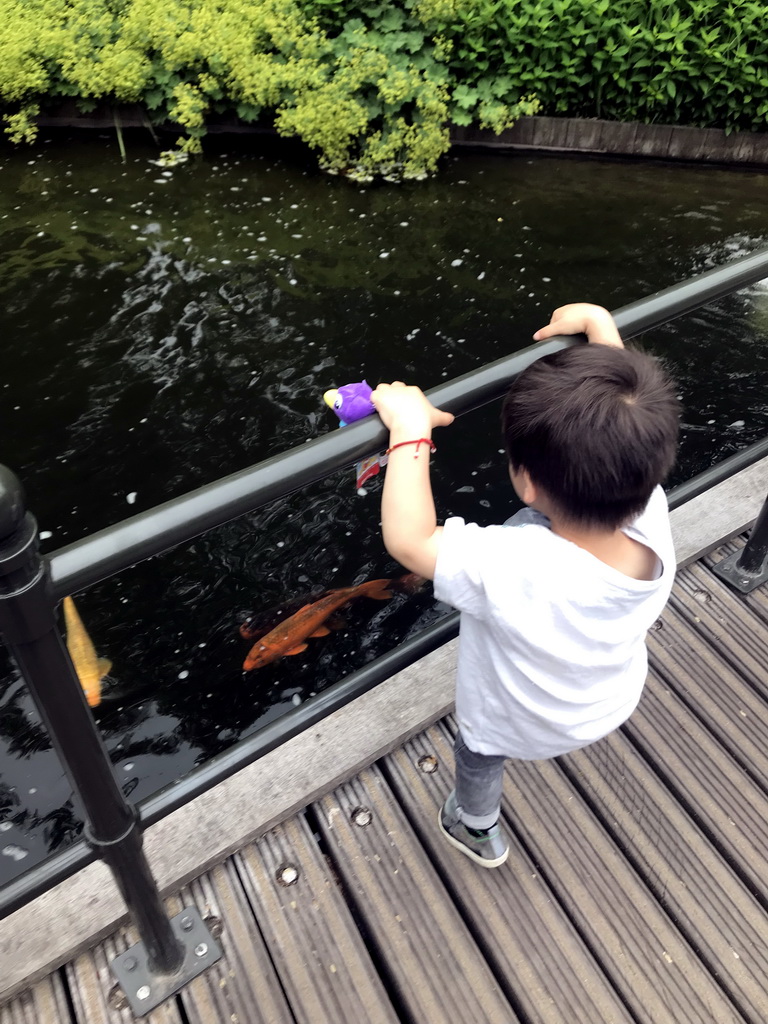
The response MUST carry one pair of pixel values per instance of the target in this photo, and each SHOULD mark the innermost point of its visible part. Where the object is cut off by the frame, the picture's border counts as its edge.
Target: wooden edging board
(549, 134)
(627, 139)
(83, 910)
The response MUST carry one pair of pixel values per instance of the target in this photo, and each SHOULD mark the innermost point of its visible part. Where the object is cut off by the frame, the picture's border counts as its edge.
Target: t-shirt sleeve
(653, 522)
(464, 548)
(653, 528)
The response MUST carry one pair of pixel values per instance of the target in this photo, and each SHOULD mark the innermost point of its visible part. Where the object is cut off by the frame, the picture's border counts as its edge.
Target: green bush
(372, 93)
(373, 97)
(373, 85)
(694, 62)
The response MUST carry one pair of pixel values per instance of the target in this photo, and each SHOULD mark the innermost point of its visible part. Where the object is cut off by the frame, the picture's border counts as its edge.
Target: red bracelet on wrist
(417, 441)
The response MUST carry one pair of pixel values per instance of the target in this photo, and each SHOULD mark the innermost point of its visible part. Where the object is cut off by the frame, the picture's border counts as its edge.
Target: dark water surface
(163, 329)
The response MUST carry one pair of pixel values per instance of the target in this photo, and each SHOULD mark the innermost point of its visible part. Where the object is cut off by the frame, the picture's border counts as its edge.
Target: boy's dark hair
(596, 428)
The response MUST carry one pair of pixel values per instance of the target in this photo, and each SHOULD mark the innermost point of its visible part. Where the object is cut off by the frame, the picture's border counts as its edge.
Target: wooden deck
(636, 891)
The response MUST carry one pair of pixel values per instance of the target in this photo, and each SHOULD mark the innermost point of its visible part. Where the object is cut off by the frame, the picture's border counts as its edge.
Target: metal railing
(30, 588)
(94, 558)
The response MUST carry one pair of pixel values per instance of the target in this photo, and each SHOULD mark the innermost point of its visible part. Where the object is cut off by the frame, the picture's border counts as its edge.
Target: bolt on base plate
(143, 988)
(729, 571)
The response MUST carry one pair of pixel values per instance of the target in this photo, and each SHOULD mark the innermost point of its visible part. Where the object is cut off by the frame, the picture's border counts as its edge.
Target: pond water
(166, 328)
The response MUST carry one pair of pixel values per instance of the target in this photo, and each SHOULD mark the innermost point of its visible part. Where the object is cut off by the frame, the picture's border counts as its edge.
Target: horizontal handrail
(149, 533)
(717, 474)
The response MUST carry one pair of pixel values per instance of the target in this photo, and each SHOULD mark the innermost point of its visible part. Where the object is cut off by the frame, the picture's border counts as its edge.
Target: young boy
(555, 604)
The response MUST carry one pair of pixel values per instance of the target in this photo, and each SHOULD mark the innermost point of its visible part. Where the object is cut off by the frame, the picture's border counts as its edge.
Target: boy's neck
(592, 539)
(584, 537)
(613, 547)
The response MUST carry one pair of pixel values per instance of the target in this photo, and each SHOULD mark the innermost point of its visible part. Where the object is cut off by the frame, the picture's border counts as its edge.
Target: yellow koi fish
(90, 669)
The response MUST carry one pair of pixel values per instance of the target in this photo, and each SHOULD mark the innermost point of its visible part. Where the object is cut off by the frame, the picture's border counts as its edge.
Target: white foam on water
(14, 851)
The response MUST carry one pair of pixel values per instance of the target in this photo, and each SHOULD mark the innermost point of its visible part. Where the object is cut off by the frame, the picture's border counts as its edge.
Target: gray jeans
(479, 780)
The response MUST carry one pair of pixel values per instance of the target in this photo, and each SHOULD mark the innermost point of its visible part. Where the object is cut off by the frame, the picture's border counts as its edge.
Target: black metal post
(28, 624)
(171, 952)
(748, 569)
(753, 555)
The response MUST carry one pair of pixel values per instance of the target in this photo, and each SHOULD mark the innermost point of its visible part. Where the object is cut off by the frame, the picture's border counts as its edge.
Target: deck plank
(658, 974)
(90, 981)
(324, 967)
(531, 945)
(711, 906)
(725, 622)
(717, 792)
(243, 987)
(435, 967)
(44, 1003)
(727, 702)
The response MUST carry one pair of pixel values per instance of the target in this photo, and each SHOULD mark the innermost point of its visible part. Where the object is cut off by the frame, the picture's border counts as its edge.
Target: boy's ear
(531, 491)
(525, 488)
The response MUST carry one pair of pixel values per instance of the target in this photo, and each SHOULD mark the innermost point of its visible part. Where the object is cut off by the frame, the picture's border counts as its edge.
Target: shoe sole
(496, 863)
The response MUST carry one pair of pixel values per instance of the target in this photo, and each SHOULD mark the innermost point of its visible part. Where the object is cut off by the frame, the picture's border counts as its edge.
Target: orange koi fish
(90, 669)
(289, 636)
(262, 622)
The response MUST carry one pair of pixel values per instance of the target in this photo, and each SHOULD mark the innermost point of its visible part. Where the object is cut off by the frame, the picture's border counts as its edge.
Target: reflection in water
(170, 331)
(21, 737)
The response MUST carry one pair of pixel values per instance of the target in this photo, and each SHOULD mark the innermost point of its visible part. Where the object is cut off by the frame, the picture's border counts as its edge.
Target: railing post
(747, 569)
(28, 624)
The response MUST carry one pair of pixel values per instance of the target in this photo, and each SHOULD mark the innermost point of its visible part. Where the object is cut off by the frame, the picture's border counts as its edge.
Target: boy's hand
(582, 318)
(407, 411)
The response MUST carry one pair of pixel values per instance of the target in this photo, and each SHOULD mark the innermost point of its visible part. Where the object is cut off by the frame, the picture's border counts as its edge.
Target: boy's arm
(582, 318)
(408, 519)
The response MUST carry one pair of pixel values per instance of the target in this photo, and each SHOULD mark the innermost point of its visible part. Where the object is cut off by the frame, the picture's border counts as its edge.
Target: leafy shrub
(695, 62)
(372, 93)
(373, 85)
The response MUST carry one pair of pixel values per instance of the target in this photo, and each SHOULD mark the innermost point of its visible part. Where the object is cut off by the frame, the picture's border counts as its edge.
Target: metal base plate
(144, 989)
(729, 571)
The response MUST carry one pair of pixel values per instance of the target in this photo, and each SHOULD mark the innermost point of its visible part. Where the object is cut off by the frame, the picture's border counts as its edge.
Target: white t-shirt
(552, 640)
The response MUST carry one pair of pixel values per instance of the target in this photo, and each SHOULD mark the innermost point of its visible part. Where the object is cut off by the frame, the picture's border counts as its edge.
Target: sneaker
(489, 850)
